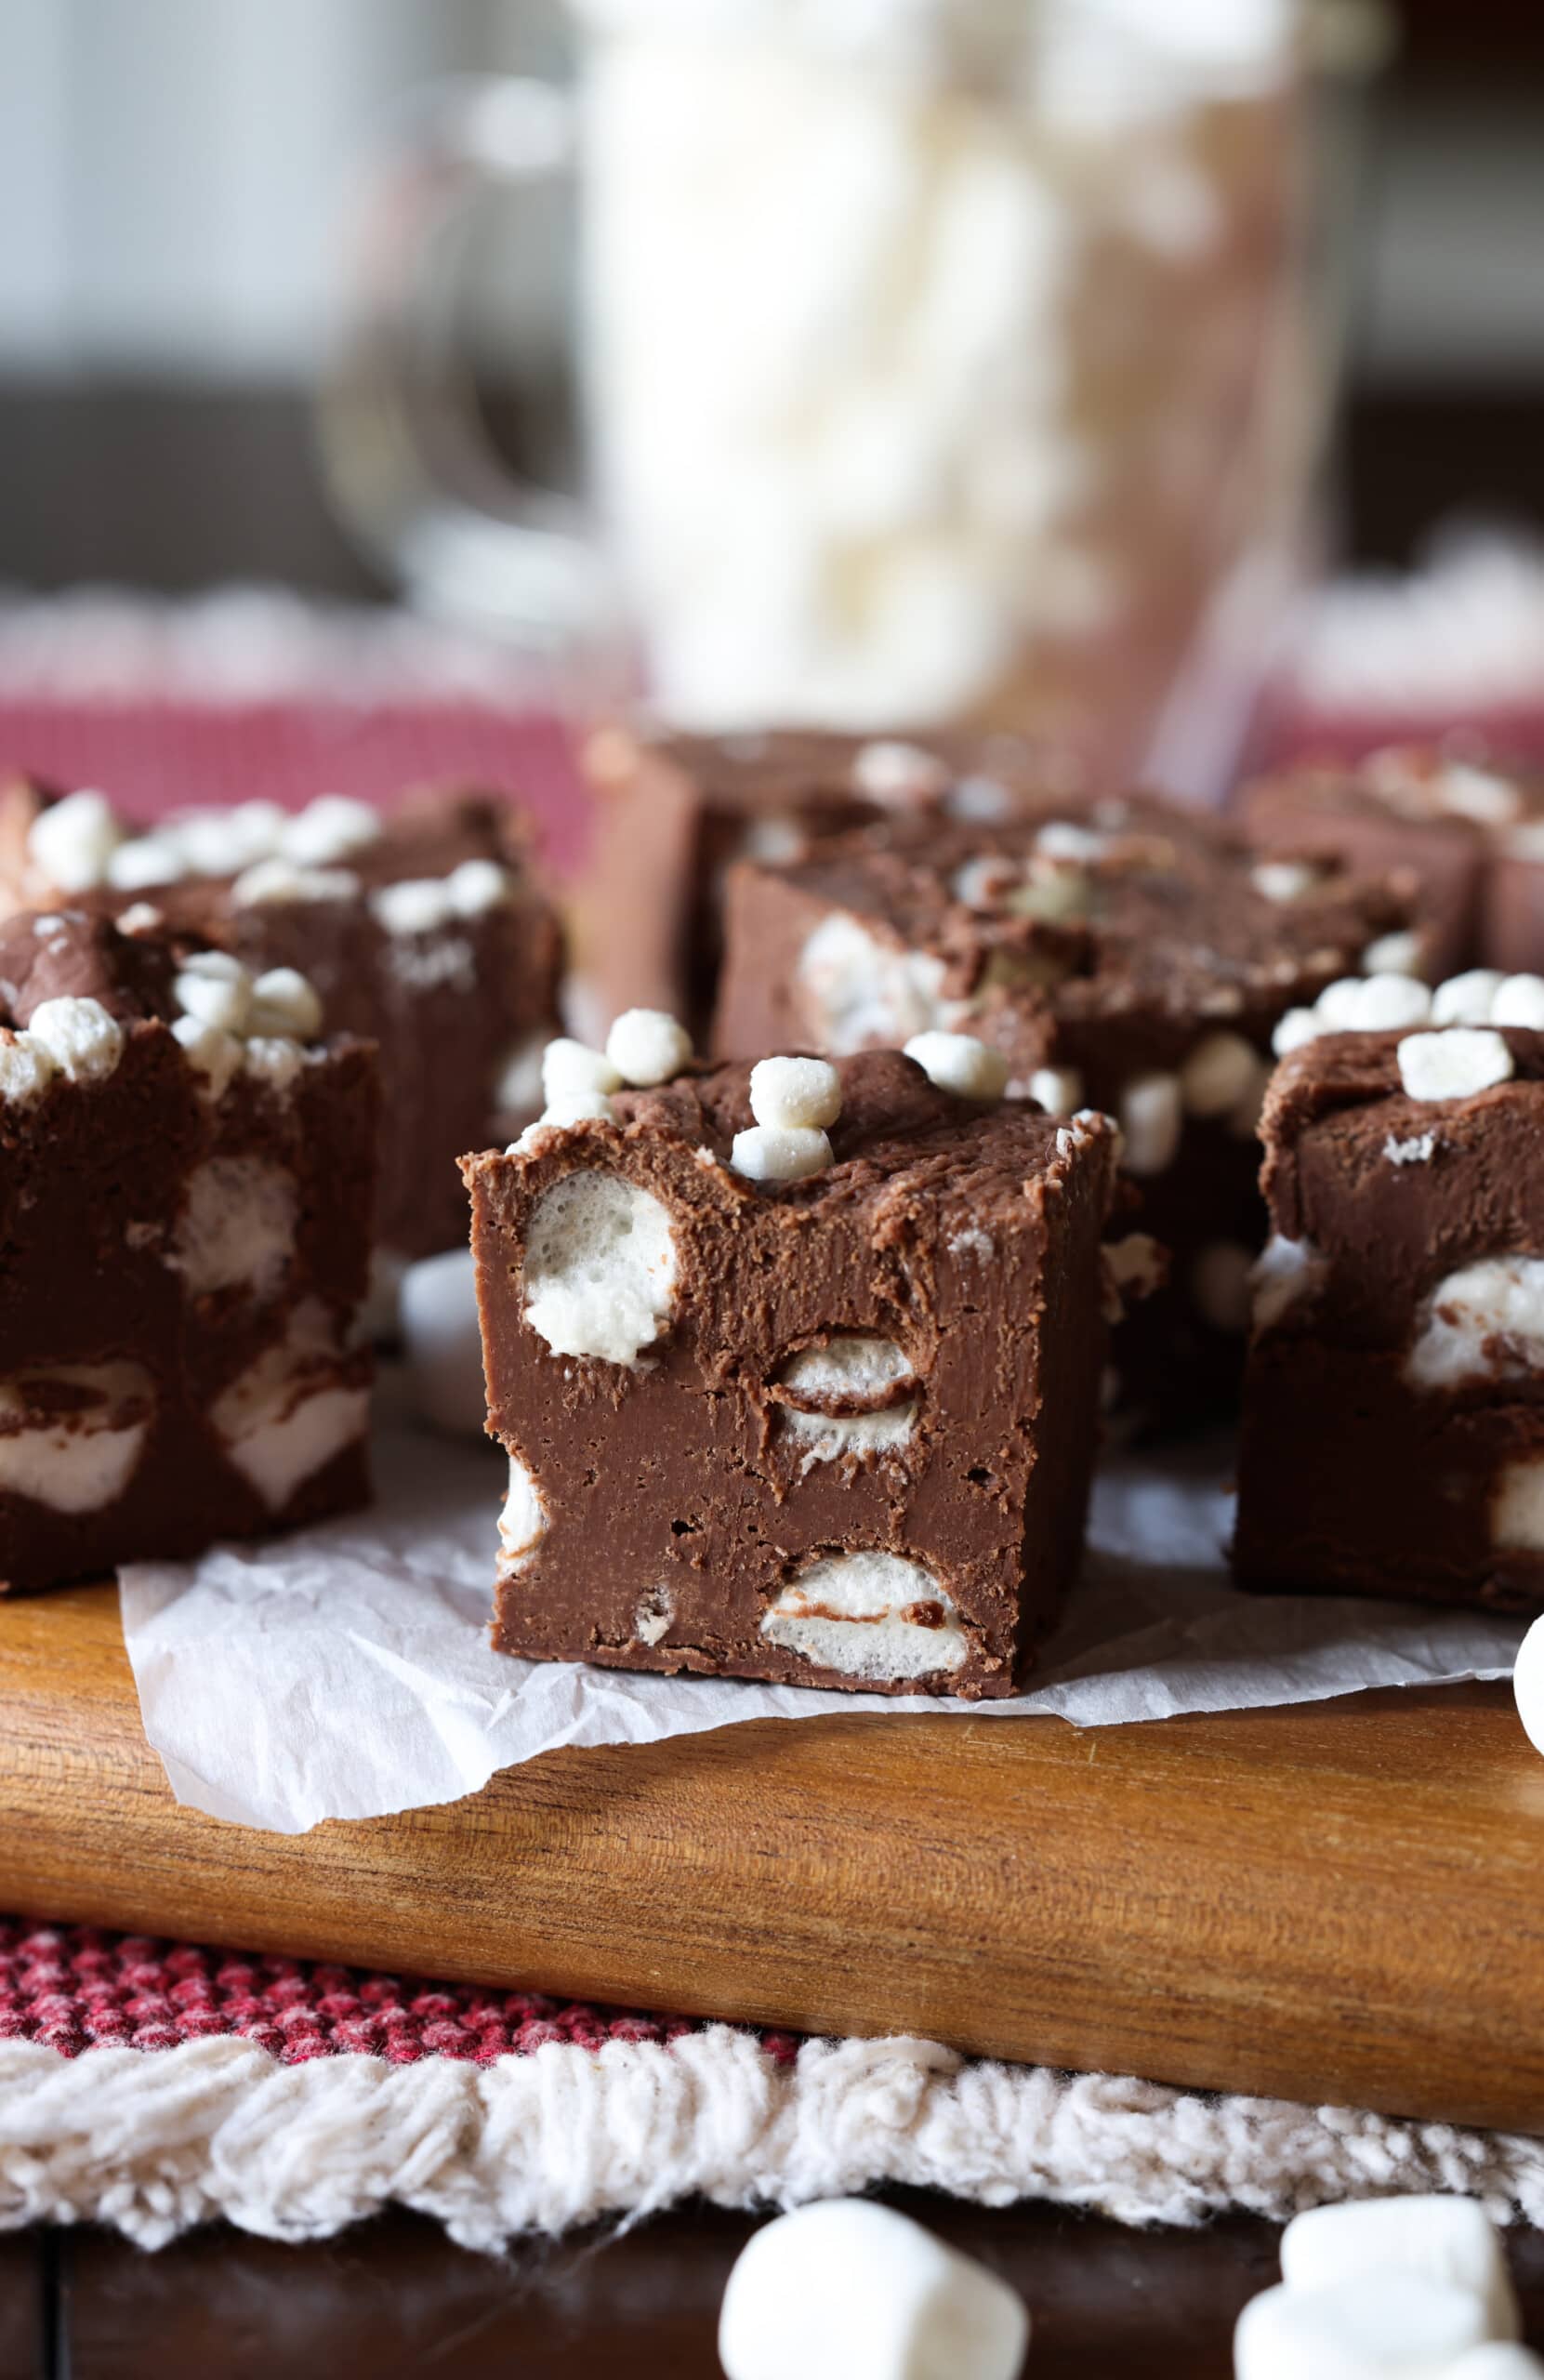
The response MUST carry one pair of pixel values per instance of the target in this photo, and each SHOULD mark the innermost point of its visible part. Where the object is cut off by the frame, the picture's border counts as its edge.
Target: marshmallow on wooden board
(1437, 2235)
(1382, 2325)
(443, 1342)
(850, 2290)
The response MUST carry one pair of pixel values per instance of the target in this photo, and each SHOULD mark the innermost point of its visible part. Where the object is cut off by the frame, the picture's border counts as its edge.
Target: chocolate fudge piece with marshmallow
(1472, 838)
(184, 1241)
(1393, 1405)
(783, 1398)
(674, 811)
(1134, 958)
(423, 931)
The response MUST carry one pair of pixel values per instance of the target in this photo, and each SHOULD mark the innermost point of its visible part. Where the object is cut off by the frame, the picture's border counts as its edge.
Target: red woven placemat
(74, 1987)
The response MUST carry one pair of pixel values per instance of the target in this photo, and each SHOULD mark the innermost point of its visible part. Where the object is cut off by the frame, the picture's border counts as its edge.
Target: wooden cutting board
(1339, 1902)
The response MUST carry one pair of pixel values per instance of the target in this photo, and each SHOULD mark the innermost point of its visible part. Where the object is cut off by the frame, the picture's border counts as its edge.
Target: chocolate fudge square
(1472, 838)
(834, 1430)
(423, 931)
(674, 811)
(1393, 1408)
(1135, 959)
(184, 1241)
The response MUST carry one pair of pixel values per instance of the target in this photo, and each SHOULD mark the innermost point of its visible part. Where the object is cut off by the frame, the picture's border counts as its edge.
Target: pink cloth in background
(152, 756)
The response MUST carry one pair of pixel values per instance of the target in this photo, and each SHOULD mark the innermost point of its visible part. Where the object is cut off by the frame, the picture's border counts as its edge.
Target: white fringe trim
(154, 2142)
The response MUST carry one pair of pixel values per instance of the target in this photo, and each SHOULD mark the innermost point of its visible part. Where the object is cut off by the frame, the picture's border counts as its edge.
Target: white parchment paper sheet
(345, 1672)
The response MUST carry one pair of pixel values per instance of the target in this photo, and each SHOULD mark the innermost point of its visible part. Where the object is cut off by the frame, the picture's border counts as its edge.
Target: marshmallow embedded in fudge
(1380, 2325)
(1434, 2235)
(847, 2290)
(599, 1267)
(766, 1153)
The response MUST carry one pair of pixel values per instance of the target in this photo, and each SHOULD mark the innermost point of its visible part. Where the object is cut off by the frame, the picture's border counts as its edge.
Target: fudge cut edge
(841, 1414)
(1393, 1438)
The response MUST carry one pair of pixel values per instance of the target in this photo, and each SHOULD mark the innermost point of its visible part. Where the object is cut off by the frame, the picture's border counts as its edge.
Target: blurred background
(172, 174)
(181, 180)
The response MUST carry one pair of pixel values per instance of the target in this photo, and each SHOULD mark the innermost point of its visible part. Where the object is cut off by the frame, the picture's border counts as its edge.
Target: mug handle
(404, 452)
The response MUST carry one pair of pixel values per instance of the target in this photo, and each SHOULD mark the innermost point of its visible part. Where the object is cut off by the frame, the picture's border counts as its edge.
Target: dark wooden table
(393, 2298)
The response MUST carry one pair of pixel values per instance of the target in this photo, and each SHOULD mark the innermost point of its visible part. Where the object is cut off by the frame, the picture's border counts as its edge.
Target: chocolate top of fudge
(71, 955)
(1135, 905)
(1413, 782)
(894, 1122)
(833, 779)
(1390, 1191)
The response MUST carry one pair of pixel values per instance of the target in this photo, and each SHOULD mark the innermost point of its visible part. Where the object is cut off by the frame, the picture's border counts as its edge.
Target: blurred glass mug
(940, 359)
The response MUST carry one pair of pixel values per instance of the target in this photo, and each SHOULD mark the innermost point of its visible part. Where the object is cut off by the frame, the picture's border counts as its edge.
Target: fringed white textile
(154, 2142)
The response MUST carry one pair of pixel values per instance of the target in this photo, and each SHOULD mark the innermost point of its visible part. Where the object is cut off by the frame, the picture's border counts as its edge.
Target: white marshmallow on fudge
(1436, 2235)
(1500, 2360)
(647, 1047)
(569, 1067)
(443, 1342)
(1454, 1063)
(766, 1153)
(846, 2290)
(794, 1094)
(1380, 2325)
(958, 1062)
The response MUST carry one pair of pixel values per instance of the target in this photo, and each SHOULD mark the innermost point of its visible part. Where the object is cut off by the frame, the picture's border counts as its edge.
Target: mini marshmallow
(414, 905)
(477, 886)
(26, 1069)
(284, 1002)
(141, 916)
(1219, 1072)
(1381, 2325)
(148, 860)
(272, 883)
(958, 1062)
(273, 1058)
(1059, 1090)
(1149, 1113)
(571, 1066)
(1390, 1001)
(213, 1053)
(1499, 2360)
(577, 1106)
(847, 2290)
(216, 989)
(1284, 880)
(1393, 954)
(1528, 1684)
(1436, 2235)
(1298, 1024)
(1062, 839)
(1454, 1063)
(328, 828)
(442, 1343)
(794, 1094)
(648, 1047)
(84, 1041)
(72, 841)
(767, 1154)
(1221, 1285)
(1520, 1000)
(889, 771)
(1467, 999)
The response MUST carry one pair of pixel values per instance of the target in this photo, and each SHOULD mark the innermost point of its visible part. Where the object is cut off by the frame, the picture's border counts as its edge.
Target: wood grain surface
(1334, 1902)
